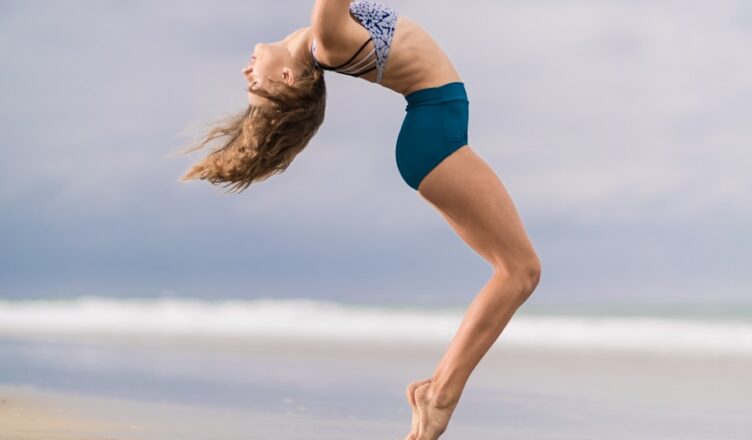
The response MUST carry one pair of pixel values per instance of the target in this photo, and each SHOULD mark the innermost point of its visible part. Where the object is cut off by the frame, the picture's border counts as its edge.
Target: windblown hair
(263, 140)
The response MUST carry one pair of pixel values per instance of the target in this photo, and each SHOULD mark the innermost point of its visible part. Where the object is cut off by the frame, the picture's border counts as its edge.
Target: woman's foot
(430, 419)
(410, 391)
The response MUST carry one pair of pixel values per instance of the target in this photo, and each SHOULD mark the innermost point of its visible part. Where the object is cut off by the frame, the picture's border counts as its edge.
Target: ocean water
(693, 329)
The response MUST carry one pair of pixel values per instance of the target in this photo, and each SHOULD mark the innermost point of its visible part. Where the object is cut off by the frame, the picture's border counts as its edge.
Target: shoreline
(315, 390)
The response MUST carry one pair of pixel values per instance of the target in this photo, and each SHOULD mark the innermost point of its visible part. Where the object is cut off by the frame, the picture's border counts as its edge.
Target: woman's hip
(435, 125)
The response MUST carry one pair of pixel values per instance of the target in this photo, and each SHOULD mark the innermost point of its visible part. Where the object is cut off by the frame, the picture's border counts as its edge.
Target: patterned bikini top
(380, 22)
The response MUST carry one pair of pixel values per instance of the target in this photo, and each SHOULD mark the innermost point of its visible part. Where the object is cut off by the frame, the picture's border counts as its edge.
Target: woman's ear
(288, 75)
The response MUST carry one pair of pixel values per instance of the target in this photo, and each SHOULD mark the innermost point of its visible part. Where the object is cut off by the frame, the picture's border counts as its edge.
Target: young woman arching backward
(287, 97)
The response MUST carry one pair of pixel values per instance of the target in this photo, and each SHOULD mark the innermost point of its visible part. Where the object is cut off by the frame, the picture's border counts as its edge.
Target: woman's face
(268, 61)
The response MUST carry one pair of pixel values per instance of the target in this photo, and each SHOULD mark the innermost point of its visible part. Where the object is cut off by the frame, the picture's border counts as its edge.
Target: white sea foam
(306, 318)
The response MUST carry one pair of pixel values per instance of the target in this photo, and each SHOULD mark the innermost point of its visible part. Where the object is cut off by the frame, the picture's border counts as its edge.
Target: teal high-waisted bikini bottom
(434, 127)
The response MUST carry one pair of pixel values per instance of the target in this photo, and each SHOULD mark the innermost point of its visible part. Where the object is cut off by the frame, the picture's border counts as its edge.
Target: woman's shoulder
(339, 48)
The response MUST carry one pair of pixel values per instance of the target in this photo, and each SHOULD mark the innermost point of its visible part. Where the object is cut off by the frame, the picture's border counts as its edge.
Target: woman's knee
(534, 273)
(526, 271)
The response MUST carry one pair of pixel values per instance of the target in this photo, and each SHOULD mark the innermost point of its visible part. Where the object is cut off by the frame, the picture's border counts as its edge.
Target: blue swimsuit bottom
(434, 127)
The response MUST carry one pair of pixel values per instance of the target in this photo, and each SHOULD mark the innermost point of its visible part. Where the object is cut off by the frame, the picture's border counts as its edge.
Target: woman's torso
(415, 61)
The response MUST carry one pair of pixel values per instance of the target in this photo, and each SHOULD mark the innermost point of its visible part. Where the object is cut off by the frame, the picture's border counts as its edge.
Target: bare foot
(411, 400)
(432, 418)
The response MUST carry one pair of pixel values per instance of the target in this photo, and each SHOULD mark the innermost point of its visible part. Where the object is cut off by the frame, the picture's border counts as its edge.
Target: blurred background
(620, 128)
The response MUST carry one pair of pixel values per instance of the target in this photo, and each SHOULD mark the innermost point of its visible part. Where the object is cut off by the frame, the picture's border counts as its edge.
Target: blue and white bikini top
(380, 22)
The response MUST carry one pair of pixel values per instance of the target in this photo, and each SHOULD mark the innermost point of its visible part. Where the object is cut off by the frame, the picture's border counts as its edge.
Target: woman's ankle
(443, 396)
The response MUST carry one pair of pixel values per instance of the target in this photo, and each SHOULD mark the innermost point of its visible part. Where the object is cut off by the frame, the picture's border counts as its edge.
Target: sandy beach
(31, 413)
(283, 389)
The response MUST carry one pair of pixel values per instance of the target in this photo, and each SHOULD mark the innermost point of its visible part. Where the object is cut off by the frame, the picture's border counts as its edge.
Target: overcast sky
(620, 128)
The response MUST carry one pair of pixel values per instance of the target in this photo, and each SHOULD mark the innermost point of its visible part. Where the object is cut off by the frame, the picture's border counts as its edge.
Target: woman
(287, 95)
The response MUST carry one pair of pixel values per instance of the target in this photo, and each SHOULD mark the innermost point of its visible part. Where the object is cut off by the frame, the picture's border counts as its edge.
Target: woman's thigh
(471, 197)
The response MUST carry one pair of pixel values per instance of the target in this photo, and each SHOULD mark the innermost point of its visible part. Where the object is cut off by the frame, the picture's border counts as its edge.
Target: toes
(412, 387)
(414, 408)
(410, 392)
(420, 392)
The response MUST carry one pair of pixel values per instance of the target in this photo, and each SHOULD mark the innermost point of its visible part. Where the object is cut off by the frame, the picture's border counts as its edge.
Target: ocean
(674, 328)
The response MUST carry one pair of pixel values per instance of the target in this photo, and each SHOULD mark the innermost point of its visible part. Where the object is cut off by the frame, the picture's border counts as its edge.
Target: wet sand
(355, 391)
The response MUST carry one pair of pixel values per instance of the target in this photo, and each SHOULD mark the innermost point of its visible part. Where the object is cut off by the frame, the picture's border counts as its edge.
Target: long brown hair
(262, 140)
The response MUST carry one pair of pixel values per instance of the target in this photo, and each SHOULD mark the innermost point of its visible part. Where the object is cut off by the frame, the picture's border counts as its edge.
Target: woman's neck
(299, 43)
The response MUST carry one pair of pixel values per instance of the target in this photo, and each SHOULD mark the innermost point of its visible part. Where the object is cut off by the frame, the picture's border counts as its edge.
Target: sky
(621, 129)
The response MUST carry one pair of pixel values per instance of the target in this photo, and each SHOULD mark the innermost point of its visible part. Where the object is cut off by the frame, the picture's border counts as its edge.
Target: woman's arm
(328, 21)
